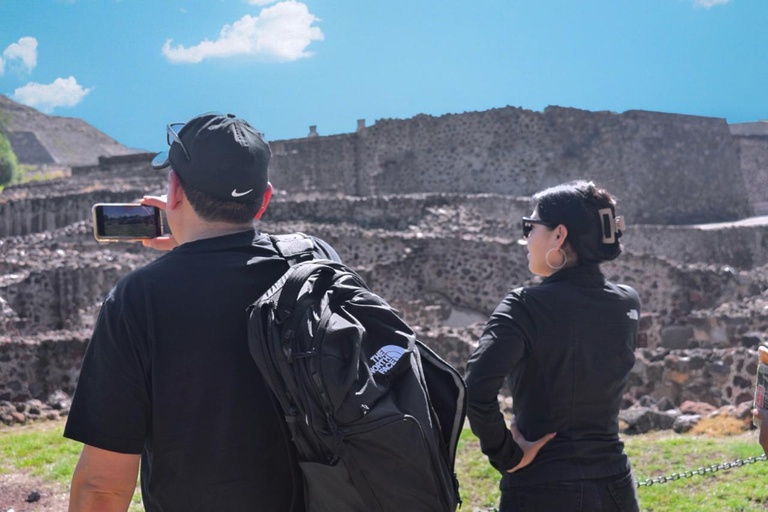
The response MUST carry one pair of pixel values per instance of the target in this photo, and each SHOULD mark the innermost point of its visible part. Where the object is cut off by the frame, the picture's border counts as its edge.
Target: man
(167, 378)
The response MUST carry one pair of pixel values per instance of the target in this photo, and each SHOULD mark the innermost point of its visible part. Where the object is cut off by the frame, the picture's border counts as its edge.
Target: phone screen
(127, 221)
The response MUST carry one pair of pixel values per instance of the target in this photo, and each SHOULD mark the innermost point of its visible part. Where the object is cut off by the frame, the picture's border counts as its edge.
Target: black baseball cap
(221, 155)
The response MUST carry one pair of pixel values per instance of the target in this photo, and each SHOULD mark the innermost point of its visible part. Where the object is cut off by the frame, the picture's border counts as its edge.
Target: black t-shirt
(168, 374)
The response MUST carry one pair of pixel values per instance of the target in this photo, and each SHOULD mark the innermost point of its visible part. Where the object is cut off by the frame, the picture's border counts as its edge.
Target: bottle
(761, 382)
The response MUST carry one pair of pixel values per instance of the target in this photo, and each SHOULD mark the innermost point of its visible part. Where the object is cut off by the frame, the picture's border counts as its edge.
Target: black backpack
(374, 414)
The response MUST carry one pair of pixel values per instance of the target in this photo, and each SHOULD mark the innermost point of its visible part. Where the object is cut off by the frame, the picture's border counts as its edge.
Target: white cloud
(25, 51)
(707, 4)
(2, 66)
(281, 32)
(63, 92)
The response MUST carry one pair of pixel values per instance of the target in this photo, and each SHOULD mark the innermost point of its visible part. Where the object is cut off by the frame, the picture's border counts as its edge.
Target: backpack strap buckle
(294, 248)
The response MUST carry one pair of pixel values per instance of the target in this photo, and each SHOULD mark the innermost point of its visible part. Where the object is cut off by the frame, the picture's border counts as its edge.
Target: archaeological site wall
(753, 153)
(126, 165)
(666, 168)
(316, 164)
(35, 214)
(717, 377)
(37, 366)
(44, 206)
(428, 211)
(742, 245)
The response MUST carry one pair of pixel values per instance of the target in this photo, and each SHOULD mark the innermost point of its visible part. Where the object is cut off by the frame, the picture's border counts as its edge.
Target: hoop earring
(565, 259)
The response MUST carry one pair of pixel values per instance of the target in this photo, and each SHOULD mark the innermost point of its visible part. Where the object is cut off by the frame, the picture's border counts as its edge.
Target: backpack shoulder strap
(294, 248)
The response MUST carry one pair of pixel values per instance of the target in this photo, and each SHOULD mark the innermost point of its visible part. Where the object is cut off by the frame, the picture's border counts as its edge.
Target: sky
(129, 67)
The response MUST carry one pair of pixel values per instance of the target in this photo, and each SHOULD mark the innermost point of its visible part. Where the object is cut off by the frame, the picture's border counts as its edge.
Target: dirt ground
(15, 488)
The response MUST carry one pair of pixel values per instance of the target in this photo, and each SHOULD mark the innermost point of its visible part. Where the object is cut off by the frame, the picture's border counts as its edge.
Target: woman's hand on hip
(530, 448)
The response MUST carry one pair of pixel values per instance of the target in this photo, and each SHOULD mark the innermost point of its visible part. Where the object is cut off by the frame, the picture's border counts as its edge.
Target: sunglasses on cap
(172, 135)
(528, 223)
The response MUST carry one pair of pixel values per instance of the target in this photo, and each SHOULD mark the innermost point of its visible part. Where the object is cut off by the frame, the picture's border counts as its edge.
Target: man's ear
(265, 202)
(175, 191)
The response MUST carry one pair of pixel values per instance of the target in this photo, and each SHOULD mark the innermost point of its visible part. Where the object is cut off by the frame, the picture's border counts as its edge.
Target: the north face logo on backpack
(386, 357)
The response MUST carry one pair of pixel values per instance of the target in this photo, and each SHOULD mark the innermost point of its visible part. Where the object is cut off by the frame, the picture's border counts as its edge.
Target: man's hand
(103, 481)
(763, 415)
(530, 448)
(161, 243)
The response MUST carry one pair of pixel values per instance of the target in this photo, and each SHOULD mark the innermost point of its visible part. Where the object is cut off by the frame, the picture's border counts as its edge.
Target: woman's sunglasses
(529, 222)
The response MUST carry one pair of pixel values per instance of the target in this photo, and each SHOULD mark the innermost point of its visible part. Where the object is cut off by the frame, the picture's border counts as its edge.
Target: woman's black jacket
(567, 346)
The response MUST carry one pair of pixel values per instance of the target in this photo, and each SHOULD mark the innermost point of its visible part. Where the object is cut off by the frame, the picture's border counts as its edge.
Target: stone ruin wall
(741, 246)
(443, 259)
(644, 158)
(718, 377)
(46, 206)
(55, 281)
(126, 165)
(36, 214)
(40, 365)
(753, 154)
(327, 165)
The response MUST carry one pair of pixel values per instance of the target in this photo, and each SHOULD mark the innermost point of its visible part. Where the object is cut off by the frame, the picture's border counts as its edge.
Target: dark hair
(212, 209)
(576, 205)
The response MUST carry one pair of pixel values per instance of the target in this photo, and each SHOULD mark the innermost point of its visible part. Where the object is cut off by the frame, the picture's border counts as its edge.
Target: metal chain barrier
(714, 468)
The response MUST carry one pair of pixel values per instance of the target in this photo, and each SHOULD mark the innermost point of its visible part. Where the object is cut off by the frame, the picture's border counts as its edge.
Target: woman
(566, 346)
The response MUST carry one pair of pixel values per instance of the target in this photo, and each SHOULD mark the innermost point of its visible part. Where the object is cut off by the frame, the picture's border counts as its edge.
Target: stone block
(676, 336)
(752, 339)
(641, 420)
(665, 404)
(685, 422)
(699, 408)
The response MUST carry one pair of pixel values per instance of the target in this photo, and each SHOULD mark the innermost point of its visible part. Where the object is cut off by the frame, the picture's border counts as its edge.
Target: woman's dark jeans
(612, 494)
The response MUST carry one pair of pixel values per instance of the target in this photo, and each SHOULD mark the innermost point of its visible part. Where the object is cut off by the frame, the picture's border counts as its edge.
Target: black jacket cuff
(508, 456)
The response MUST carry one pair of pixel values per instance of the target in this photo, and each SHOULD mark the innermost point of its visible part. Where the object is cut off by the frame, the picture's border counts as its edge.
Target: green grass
(739, 489)
(29, 173)
(479, 480)
(42, 451)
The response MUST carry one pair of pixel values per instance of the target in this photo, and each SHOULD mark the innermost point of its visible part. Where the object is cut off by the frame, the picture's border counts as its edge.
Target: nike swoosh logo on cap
(235, 193)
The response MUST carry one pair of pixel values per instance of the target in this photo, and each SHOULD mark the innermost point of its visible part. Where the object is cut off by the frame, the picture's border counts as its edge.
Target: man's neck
(213, 229)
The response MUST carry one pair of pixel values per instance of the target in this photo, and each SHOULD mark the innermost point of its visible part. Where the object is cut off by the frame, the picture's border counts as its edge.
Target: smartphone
(117, 222)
